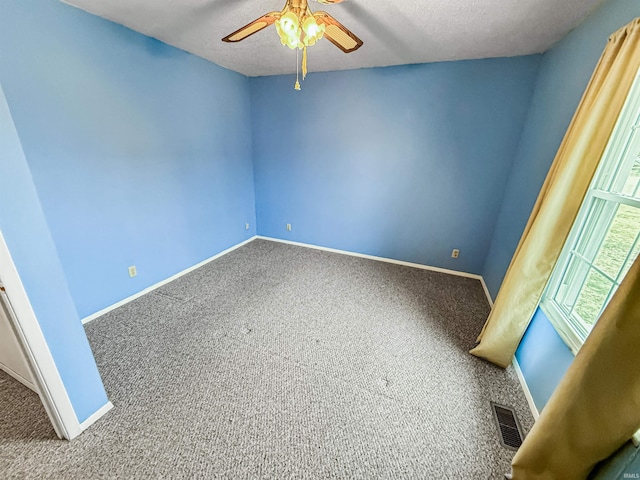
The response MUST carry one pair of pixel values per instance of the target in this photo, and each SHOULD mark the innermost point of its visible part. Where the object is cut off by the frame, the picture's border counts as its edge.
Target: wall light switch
(132, 271)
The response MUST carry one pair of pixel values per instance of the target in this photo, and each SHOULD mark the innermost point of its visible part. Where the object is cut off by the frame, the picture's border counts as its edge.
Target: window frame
(594, 219)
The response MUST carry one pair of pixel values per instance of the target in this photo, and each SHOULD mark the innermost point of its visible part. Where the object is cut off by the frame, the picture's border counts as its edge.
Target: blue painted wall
(26, 232)
(140, 152)
(402, 162)
(543, 358)
(564, 74)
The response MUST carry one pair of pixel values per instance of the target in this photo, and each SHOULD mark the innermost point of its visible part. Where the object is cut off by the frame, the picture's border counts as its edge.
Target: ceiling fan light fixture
(298, 28)
(312, 30)
(288, 28)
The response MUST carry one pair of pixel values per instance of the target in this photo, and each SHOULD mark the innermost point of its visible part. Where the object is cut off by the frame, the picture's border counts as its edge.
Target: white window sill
(569, 336)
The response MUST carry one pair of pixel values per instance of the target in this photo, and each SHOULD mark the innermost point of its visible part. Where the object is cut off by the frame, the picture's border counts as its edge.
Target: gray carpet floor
(282, 362)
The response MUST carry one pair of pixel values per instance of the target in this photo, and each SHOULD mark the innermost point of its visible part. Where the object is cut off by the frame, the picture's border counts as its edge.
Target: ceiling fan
(300, 28)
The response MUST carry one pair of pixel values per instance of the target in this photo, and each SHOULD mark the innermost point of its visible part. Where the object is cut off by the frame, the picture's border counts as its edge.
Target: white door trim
(45, 373)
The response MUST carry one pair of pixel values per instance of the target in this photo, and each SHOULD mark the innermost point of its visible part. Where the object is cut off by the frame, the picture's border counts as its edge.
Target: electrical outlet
(132, 271)
(288, 227)
(455, 253)
(246, 226)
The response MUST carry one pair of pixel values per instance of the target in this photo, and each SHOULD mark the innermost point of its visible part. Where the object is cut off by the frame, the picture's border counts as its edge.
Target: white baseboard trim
(525, 389)
(486, 292)
(96, 416)
(124, 301)
(99, 313)
(383, 259)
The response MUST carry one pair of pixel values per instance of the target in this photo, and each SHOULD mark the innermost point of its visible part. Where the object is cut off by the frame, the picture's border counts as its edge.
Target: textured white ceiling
(394, 33)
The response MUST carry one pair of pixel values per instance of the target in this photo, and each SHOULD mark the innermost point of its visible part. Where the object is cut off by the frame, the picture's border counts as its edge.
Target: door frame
(46, 376)
(26, 378)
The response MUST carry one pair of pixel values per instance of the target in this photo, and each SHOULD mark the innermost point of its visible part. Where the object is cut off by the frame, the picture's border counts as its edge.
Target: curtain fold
(596, 407)
(561, 197)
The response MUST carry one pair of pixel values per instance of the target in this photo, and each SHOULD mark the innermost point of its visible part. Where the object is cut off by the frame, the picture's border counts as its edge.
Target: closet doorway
(12, 357)
(24, 354)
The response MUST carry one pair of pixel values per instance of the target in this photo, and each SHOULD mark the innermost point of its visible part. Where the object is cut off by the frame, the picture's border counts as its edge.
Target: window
(605, 238)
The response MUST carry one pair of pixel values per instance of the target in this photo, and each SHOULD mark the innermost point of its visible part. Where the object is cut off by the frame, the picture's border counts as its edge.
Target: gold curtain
(561, 196)
(596, 407)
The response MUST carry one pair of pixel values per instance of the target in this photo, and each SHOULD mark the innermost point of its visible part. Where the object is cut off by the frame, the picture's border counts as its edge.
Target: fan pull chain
(297, 85)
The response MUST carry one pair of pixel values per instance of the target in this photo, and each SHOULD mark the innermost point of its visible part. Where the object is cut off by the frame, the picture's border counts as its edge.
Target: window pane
(572, 280)
(592, 297)
(634, 254)
(632, 186)
(618, 240)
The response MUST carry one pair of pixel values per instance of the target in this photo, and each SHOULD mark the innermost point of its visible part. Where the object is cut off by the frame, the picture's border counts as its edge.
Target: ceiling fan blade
(337, 33)
(253, 27)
